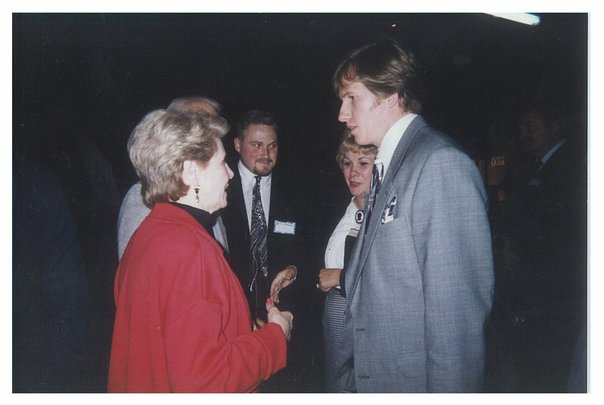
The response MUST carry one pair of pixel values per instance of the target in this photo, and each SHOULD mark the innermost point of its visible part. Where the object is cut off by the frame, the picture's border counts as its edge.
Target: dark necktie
(258, 235)
(536, 167)
(376, 182)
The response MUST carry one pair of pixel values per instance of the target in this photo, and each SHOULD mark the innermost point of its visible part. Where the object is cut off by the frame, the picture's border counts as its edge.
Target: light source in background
(524, 18)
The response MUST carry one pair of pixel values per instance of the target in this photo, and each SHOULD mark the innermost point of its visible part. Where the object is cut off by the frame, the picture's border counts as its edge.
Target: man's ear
(392, 100)
(237, 144)
(190, 171)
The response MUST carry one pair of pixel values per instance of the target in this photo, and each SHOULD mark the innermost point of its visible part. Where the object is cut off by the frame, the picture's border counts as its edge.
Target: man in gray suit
(420, 279)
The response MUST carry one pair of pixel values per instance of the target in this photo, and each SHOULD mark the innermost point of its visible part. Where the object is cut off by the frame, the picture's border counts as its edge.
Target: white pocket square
(388, 214)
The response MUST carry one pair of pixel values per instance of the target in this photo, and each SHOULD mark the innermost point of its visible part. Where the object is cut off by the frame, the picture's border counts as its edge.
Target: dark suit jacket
(282, 247)
(547, 220)
(50, 293)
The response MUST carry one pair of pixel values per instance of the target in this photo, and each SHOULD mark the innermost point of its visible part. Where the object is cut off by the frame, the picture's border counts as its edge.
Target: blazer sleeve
(211, 345)
(199, 327)
(453, 244)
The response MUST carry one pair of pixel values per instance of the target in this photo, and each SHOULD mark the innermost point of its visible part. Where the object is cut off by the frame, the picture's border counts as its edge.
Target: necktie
(536, 166)
(258, 235)
(535, 181)
(376, 182)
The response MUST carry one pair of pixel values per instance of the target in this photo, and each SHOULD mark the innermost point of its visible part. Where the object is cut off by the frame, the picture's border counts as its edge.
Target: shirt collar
(247, 177)
(392, 138)
(551, 152)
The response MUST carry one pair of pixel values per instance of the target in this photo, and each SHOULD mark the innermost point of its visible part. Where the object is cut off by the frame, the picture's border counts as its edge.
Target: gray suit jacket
(420, 281)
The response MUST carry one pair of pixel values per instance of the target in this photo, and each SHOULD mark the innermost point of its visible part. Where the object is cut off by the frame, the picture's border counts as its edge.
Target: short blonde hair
(160, 144)
(347, 144)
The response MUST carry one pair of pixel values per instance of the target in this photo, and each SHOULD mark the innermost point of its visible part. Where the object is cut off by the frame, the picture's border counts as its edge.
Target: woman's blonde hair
(347, 144)
(160, 144)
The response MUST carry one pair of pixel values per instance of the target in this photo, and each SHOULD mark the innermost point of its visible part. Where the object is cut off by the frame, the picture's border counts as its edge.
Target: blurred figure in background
(51, 313)
(540, 241)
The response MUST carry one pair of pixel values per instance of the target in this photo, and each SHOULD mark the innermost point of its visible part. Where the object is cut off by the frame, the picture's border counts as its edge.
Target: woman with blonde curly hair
(182, 320)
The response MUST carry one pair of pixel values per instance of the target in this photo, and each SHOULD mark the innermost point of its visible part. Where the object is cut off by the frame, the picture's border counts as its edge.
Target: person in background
(51, 296)
(182, 321)
(540, 235)
(264, 235)
(356, 163)
(420, 280)
(270, 268)
(133, 210)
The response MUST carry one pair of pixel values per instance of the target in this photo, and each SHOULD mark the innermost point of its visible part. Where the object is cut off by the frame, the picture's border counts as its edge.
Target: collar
(392, 139)
(204, 218)
(248, 178)
(551, 152)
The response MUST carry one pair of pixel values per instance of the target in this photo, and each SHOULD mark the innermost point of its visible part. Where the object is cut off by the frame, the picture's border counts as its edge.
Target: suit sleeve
(209, 343)
(132, 212)
(453, 244)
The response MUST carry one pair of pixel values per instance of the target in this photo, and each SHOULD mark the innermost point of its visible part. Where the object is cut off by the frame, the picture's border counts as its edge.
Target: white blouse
(334, 254)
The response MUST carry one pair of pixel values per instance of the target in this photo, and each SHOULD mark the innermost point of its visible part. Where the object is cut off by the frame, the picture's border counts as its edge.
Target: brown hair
(384, 68)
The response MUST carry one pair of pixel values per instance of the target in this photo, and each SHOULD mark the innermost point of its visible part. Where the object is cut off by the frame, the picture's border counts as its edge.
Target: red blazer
(182, 321)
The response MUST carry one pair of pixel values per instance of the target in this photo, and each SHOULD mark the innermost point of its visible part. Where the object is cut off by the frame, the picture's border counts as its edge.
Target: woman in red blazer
(182, 321)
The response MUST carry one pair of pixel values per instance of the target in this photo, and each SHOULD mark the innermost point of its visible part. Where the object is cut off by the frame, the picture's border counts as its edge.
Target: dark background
(81, 82)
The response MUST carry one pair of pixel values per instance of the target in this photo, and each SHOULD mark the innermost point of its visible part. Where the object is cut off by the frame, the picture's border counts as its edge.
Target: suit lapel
(238, 207)
(369, 230)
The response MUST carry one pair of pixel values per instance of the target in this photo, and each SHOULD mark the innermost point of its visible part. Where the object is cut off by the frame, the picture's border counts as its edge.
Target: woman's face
(213, 181)
(357, 168)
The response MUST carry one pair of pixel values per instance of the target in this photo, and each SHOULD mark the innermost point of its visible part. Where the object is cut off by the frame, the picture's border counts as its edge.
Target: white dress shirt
(248, 181)
(391, 141)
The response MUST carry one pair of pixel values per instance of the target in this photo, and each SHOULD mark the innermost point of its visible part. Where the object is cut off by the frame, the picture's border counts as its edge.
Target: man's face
(258, 149)
(363, 113)
(534, 133)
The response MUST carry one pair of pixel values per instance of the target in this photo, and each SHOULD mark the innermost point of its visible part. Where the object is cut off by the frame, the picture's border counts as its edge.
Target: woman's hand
(328, 279)
(282, 280)
(284, 319)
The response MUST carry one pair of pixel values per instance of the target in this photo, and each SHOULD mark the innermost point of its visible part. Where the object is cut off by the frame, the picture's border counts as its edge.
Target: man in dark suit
(51, 298)
(264, 239)
(261, 277)
(540, 309)
(420, 279)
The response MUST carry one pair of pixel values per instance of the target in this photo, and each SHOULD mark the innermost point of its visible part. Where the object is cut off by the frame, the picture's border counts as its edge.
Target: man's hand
(328, 279)
(284, 319)
(282, 280)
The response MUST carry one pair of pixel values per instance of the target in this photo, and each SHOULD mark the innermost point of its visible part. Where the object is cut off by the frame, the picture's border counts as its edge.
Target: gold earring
(196, 189)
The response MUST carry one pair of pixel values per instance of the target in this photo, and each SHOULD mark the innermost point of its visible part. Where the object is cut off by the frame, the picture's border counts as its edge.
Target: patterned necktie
(258, 235)
(376, 182)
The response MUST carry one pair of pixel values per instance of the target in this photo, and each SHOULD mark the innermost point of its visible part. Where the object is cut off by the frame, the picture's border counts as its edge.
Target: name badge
(286, 228)
(388, 214)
